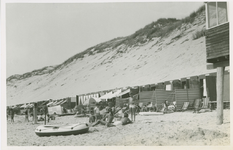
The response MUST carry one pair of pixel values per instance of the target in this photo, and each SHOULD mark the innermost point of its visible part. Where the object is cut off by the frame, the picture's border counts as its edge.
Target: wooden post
(35, 113)
(45, 113)
(220, 79)
(45, 119)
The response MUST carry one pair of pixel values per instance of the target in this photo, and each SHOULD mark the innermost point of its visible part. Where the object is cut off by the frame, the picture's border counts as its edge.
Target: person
(26, 112)
(138, 108)
(125, 107)
(132, 108)
(154, 107)
(7, 112)
(64, 110)
(111, 105)
(172, 107)
(108, 123)
(92, 117)
(144, 108)
(150, 106)
(165, 106)
(40, 118)
(12, 114)
(87, 109)
(124, 121)
(51, 117)
(97, 111)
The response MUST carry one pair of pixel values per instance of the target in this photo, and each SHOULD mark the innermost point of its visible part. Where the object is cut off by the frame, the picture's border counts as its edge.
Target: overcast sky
(39, 35)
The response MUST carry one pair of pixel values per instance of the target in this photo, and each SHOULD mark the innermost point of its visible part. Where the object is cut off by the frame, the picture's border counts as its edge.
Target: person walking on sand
(7, 112)
(12, 114)
(132, 108)
(26, 115)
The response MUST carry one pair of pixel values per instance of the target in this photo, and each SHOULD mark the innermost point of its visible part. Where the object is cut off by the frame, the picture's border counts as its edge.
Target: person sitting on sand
(144, 108)
(52, 116)
(154, 107)
(172, 107)
(40, 118)
(165, 108)
(138, 108)
(109, 116)
(92, 117)
(124, 121)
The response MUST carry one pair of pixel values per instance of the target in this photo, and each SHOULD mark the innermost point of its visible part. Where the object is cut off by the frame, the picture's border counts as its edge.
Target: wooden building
(217, 46)
(217, 33)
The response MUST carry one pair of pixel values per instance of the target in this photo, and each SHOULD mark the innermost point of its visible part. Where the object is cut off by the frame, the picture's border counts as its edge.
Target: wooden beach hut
(217, 46)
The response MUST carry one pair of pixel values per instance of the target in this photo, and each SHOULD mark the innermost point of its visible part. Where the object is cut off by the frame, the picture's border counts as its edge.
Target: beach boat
(150, 113)
(54, 130)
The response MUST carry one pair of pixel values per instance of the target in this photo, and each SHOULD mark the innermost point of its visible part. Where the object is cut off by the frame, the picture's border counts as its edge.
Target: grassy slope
(145, 57)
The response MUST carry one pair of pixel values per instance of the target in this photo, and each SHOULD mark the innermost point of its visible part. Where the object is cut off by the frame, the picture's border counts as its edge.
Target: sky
(46, 34)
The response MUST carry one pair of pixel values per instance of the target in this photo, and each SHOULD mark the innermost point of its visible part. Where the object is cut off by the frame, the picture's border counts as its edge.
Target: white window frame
(207, 16)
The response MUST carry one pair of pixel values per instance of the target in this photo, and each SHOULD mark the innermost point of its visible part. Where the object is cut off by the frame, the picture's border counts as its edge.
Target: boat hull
(53, 130)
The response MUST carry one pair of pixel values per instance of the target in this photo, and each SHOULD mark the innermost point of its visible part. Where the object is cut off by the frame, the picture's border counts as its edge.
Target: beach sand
(175, 129)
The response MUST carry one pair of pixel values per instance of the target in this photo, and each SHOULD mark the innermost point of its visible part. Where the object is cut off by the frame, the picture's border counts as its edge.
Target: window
(222, 12)
(212, 15)
(216, 13)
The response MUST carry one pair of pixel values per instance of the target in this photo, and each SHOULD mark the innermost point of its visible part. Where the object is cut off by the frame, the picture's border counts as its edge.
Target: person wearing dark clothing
(26, 115)
(12, 114)
(7, 112)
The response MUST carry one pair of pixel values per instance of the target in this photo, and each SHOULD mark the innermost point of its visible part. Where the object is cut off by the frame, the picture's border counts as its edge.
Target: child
(92, 117)
(97, 112)
(51, 117)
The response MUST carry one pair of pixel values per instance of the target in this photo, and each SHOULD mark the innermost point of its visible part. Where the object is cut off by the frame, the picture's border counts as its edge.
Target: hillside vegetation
(164, 50)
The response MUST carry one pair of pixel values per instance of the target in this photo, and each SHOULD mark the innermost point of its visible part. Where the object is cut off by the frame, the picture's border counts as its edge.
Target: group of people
(27, 112)
(106, 116)
(128, 108)
(150, 107)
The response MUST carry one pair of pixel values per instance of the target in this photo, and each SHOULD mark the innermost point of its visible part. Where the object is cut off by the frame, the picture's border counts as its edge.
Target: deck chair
(205, 105)
(196, 105)
(184, 107)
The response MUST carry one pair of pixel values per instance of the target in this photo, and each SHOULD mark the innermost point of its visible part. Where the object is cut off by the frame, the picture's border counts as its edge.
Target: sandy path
(180, 128)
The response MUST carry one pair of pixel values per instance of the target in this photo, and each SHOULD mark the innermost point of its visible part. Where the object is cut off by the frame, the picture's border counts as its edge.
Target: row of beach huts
(182, 90)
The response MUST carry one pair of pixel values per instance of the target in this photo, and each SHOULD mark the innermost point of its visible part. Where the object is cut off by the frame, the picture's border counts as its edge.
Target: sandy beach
(175, 129)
